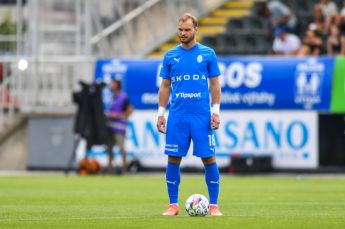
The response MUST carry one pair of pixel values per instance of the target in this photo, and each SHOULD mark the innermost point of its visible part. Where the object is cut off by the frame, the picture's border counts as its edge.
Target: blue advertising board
(247, 82)
(139, 78)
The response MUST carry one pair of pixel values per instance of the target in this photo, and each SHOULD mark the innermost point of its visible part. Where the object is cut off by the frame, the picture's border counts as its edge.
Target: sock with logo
(212, 181)
(173, 181)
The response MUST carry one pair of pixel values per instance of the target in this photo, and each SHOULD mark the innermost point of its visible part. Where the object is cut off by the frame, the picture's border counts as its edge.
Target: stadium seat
(304, 22)
(302, 7)
(240, 44)
(236, 26)
(256, 25)
(257, 44)
(211, 41)
(264, 44)
(251, 44)
(233, 44)
(248, 25)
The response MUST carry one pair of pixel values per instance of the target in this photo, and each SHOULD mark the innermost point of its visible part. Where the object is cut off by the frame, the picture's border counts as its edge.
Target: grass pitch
(138, 201)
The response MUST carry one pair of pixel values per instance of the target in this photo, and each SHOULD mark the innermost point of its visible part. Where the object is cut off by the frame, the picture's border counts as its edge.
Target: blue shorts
(180, 132)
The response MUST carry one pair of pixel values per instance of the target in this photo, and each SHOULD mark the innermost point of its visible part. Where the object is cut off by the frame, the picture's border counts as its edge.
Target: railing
(8, 100)
(142, 29)
(46, 86)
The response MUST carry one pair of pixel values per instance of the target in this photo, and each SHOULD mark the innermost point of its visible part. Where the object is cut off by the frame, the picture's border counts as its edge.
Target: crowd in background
(325, 35)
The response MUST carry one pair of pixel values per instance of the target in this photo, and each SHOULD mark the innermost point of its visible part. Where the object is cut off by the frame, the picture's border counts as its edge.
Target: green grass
(138, 201)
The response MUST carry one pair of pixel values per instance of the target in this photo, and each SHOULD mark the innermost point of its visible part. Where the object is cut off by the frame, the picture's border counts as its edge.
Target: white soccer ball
(197, 205)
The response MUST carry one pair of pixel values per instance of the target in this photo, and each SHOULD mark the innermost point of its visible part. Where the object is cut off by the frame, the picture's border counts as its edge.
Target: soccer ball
(197, 205)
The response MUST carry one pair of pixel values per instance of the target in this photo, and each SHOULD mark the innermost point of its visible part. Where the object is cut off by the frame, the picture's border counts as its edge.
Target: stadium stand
(212, 26)
(236, 29)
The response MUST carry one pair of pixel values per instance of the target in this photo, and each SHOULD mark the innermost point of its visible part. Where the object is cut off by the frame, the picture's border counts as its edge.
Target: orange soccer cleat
(214, 210)
(172, 210)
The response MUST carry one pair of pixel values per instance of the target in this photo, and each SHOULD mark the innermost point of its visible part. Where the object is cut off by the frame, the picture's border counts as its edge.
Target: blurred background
(283, 80)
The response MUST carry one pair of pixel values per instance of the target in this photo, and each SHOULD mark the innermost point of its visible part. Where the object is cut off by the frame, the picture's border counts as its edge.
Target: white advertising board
(290, 137)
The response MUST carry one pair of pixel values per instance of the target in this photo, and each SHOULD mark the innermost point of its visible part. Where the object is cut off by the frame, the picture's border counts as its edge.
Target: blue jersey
(189, 71)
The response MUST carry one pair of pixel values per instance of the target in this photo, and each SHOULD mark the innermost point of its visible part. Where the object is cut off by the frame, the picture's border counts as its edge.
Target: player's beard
(188, 40)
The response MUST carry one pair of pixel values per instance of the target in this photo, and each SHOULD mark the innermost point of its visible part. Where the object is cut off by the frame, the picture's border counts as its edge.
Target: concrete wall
(13, 150)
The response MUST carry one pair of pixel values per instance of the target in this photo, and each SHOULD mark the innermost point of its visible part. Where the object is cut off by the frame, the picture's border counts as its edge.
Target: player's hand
(161, 124)
(215, 121)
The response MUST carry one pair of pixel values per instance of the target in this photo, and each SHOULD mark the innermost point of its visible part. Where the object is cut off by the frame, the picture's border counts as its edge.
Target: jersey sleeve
(165, 70)
(213, 69)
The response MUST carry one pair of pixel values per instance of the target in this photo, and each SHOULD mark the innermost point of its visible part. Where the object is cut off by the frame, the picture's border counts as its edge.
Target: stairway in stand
(212, 24)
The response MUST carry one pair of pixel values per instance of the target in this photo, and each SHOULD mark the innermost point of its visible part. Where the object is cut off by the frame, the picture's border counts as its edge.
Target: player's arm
(215, 97)
(163, 98)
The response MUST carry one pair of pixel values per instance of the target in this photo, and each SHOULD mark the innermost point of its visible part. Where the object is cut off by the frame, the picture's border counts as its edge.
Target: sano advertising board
(247, 82)
(290, 137)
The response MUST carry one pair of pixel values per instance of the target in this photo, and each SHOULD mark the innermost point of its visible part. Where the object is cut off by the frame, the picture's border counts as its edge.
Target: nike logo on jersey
(177, 60)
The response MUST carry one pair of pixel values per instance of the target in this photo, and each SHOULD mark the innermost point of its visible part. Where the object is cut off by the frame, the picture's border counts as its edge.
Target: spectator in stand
(285, 43)
(319, 23)
(279, 14)
(342, 29)
(326, 11)
(334, 41)
(312, 44)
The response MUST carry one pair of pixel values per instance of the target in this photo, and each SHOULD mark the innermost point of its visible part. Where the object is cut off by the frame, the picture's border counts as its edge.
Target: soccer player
(190, 74)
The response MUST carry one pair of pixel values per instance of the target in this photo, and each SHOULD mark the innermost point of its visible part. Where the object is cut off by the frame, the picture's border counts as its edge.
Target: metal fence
(45, 86)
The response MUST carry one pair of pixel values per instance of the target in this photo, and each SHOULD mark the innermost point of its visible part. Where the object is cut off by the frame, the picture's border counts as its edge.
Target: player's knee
(175, 160)
(208, 160)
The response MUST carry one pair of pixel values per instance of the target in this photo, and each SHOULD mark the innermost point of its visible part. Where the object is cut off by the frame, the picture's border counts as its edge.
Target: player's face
(186, 31)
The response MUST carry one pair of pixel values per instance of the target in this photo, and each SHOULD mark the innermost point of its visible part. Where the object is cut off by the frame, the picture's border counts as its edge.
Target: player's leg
(212, 178)
(173, 178)
(177, 144)
(212, 181)
(204, 147)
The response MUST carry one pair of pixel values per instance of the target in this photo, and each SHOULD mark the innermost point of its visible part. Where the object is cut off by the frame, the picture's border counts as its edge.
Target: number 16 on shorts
(211, 140)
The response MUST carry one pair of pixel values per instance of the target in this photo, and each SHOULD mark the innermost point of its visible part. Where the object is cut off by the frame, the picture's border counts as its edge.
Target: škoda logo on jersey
(188, 77)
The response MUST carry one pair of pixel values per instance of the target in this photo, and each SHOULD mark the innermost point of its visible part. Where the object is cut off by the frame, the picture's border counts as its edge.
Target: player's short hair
(187, 16)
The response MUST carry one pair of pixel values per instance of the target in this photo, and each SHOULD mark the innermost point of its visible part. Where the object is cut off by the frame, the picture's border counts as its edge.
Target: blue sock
(212, 181)
(173, 181)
